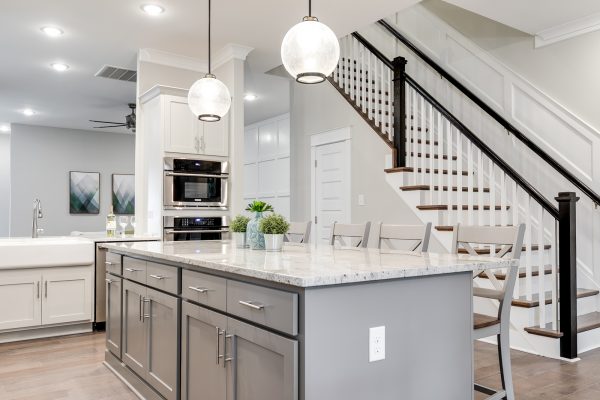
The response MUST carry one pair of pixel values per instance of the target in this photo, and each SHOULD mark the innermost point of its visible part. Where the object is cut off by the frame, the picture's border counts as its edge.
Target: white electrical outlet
(361, 200)
(377, 343)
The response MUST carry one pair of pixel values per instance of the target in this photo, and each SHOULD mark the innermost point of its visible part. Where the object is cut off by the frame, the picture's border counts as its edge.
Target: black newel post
(400, 111)
(567, 281)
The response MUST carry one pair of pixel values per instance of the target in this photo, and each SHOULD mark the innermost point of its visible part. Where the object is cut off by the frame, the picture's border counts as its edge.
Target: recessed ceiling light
(4, 128)
(60, 67)
(28, 112)
(152, 9)
(250, 97)
(52, 31)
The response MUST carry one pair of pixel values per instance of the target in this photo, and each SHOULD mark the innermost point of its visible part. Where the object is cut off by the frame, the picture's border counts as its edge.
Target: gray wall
(320, 108)
(41, 158)
(4, 184)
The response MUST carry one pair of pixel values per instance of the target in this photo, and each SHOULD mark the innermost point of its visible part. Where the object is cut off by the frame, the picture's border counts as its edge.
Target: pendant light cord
(209, 71)
(309, 8)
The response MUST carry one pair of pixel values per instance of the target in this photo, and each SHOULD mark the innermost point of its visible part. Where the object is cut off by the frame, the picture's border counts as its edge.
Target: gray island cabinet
(207, 321)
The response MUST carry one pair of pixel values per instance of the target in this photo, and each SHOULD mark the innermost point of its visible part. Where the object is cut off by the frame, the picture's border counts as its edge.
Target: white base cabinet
(45, 296)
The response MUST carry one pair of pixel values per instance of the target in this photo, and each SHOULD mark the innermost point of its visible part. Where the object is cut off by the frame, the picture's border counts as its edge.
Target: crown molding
(230, 52)
(568, 30)
(172, 60)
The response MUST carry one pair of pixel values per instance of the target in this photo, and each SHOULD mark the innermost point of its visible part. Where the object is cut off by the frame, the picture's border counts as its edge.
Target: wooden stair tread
(427, 170)
(483, 321)
(465, 207)
(535, 271)
(524, 303)
(436, 188)
(486, 250)
(585, 322)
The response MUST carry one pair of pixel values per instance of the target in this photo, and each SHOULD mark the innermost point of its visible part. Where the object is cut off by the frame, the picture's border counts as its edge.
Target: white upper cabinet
(215, 138)
(181, 130)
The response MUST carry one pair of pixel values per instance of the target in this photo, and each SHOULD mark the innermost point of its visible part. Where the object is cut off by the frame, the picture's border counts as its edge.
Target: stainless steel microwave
(194, 183)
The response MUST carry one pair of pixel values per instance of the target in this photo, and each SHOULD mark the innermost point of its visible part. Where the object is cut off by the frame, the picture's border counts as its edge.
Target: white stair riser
(479, 217)
(411, 178)
(441, 197)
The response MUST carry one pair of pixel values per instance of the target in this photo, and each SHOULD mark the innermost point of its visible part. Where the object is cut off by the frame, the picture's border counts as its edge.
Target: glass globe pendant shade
(310, 51)
(209, 99)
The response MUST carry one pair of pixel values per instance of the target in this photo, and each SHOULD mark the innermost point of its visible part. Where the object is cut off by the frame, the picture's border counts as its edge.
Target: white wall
(320, 108)
(41, 158)
(4, 184)
(267, 163)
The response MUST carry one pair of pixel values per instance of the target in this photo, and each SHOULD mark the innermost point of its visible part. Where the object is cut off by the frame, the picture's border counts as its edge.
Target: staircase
(449, 176)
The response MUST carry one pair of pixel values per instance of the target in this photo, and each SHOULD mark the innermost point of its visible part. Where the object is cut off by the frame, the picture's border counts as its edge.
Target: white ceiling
(531, 16)
(111, 31)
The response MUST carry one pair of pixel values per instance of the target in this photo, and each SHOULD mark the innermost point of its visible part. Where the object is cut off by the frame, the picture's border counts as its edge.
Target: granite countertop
(100, 237)
(309, 265)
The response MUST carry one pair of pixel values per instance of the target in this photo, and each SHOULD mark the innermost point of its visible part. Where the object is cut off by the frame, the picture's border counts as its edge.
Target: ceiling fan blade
(111, 126)
(104, 122)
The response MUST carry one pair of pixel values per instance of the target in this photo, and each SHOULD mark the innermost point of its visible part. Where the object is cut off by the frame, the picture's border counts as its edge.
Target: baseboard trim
(45, 332)
(140, 388)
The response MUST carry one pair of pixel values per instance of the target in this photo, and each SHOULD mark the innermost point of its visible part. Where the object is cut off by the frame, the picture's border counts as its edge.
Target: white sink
(58, 251)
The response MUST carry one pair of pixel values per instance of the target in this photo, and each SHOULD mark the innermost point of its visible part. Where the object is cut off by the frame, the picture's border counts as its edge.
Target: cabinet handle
(132, 270)
(252, 305)
(219, 334)
(108, 263)
(200, 289)
(38, 289)
(144, 315)
(46, 289)
(159, 277)
(140, 307)
(227, 359)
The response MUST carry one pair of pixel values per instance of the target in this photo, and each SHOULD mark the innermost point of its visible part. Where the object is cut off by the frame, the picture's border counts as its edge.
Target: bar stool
(414, 233)
(509, 239)
(298, 232)
(340, 232)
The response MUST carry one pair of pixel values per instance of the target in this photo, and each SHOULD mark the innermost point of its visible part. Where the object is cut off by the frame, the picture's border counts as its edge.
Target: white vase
(240, 239)
(273, 242)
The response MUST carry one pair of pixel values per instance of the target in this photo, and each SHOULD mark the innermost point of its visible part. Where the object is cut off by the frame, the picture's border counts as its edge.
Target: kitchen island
(204, 320)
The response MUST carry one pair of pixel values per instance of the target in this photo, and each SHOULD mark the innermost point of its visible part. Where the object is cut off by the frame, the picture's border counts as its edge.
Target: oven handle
(223, 176)
(172, 231)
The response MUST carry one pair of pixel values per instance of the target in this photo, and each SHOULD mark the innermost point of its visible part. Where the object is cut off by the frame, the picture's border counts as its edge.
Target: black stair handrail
(521, 181)
(495, 115)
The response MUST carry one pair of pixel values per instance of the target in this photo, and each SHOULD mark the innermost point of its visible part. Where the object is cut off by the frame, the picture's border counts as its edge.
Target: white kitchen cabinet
(180, 129)
(67, 295)
(45, 296)
(20, 305)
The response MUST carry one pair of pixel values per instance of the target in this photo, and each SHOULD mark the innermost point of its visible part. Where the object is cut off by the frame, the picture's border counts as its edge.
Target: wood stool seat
(483, 321)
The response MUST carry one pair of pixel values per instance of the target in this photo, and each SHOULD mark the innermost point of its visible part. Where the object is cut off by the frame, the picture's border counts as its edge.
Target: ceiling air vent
(118, 73)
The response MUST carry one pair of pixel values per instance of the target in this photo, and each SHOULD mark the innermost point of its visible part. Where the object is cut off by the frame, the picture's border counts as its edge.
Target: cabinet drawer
(274, 308)
(113, 263)
(204, 289)
(163, 277)
(134, 269)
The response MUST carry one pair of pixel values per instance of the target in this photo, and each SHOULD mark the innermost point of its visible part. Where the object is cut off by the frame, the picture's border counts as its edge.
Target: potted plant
(273, 227)
(238, 227)
(256, 239)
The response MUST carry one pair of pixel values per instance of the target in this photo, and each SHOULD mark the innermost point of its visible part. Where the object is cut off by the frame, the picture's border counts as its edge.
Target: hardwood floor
(71, 368)
(59, 368)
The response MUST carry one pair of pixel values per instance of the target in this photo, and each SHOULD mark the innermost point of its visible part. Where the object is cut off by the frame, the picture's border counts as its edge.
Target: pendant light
(209, 98)
(310, 51)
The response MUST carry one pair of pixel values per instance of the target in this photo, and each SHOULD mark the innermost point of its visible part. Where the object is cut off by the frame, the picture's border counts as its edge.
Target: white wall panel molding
(549, 124)
(589, 23)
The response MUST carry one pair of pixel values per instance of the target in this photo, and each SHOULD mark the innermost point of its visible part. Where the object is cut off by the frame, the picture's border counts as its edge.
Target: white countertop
(102, 238)
(309, 266)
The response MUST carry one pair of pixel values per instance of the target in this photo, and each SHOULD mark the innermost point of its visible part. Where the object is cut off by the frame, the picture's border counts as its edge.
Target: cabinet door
(20, 303)
(264, 366)
(203, 375)
(215, 137)
(182, 128)
(114, 285)
(162, 329)
(134, 343)
(68, 294)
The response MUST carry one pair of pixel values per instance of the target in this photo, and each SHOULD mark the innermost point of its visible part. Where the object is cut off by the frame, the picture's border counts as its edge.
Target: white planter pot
(273, 242)
(240, 239)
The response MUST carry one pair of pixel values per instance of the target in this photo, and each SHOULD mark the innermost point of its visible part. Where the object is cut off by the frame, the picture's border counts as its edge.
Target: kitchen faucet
(37, 213)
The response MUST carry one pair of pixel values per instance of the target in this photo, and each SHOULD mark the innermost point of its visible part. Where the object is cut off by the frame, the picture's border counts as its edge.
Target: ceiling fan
(129, 121)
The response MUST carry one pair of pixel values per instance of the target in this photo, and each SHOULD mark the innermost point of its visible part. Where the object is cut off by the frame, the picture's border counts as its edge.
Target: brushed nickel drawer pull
(132, 270)
(159, 277)
(252, 305)
(108, 263)
(200, 289)
(38, 289)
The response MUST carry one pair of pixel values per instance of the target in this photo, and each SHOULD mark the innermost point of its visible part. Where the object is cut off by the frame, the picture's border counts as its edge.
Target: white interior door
(331, 183)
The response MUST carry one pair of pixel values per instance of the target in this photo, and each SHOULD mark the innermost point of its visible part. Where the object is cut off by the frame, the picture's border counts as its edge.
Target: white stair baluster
(439, 137)
(471, 183)
(481, 184)
(503, 205)
(459, 169)
(528, 238)
(409, 132)
(419, 134)
(553, 259)
(541, 265)
(450, 151)
(426, 134)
